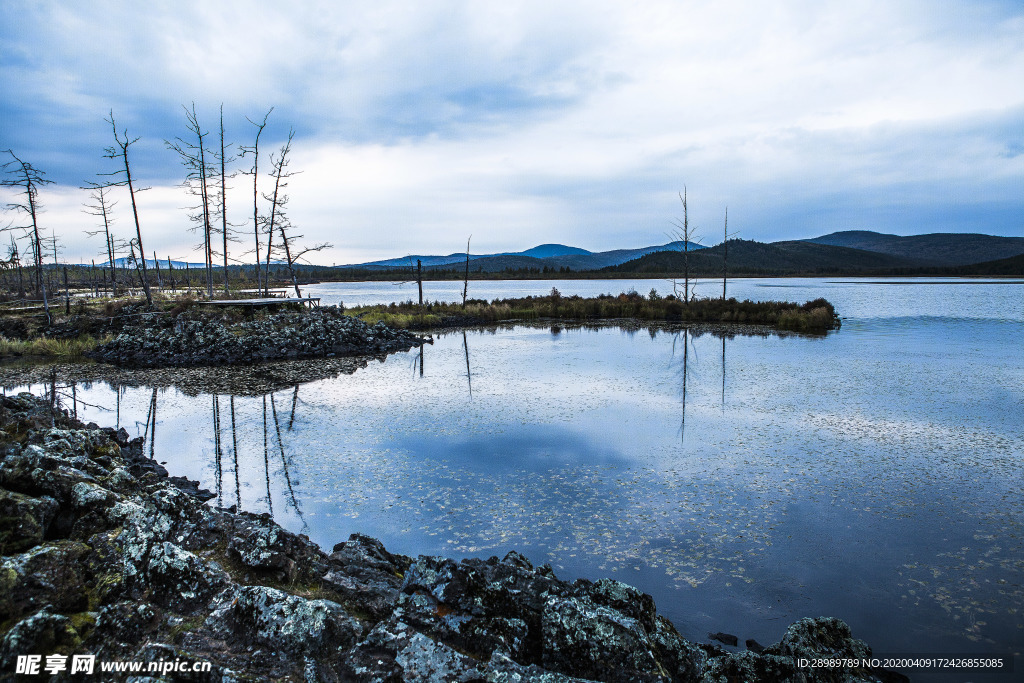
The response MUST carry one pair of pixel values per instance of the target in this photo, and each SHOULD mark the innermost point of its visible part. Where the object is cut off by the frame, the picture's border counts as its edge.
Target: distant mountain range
(545, 255)
(849, 253)
(939, 249)
(838, 253)
(854, 251)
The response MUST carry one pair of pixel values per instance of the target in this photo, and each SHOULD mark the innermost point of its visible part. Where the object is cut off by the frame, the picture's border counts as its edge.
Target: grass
(813, 317)
(51, 348)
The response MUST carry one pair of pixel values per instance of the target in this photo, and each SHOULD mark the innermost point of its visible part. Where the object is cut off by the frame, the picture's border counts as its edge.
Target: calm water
(874, 474)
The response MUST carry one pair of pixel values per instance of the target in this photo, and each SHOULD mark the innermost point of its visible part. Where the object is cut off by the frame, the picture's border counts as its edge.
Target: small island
(178, 332)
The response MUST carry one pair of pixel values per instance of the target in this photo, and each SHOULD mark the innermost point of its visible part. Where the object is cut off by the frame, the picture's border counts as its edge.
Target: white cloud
(529, 122)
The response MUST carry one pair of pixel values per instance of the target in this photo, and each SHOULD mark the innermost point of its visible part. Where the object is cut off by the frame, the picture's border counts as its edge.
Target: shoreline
(110, 556)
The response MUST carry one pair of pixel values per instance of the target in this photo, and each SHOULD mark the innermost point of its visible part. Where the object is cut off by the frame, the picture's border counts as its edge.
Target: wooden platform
(313, 302)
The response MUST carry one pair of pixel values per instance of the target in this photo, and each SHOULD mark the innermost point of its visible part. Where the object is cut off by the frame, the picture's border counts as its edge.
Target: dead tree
(465, 281)
(223, 198)
(102, 209)
(725, 253)
(14, 261)
(119, 151)
(255, 151)
(28, 179)
(419, 280)
(685, 233)
(279, 220)
(277, 199)
(193, 156)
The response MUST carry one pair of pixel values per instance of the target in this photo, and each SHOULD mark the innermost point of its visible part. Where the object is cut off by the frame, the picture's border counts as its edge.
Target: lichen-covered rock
(394, 651)
(259, 543)
(46, 576)
(24, 520)
(821, 637)
(273, 618)
(42, 632)
(503, 669)
(179, 579)
(747, 666)
(597, 642)
(364, 573)
(319, 333)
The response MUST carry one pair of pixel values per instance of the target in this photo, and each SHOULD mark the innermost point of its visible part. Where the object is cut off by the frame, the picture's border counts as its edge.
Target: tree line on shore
(209, 164)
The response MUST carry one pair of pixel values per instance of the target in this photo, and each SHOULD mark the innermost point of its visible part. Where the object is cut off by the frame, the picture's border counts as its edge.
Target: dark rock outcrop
(324, 332)
(103, 554)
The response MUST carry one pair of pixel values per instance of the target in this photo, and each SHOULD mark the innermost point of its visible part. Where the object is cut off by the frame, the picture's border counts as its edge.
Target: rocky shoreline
(104, 554)
(159, 341)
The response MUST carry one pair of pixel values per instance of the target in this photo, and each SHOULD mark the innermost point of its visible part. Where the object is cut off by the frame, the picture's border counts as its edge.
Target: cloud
(535, 122)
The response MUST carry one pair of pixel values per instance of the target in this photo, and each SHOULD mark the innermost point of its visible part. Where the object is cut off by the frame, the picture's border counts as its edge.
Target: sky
(522, 123)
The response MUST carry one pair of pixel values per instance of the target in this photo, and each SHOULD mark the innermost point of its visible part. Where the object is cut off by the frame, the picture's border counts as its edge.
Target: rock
(43, 632)
(159, 342)
(393, 651)
(593, 641)
(24, 520)
(747, 666)
(271, 617)
(261, 544)
(47, 575)
(178, 579)
(724, 638)
(364, 572)
(820, 637)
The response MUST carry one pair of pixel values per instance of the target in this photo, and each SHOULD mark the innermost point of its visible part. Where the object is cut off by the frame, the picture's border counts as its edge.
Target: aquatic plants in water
(817, 316)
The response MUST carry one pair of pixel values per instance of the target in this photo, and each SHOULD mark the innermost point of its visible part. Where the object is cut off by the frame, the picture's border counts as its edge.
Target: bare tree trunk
(255, 149)
(288, 257)
(686, 250)
(223, 200)
(21, 275)
(278, 174)
(113, 266)
(465, 281)
(419, 279)
(67, 293)
(207, 227)
(725, 253)
(123, 145)
(159, 280)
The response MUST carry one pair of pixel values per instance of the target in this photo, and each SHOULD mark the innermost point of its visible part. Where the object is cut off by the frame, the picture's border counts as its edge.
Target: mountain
(1006, 266)
(551, 255)
(746, 257)
(939, 248)
(551, 250)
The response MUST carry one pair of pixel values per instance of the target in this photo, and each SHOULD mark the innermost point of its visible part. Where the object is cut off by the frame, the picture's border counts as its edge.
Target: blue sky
(418, 124)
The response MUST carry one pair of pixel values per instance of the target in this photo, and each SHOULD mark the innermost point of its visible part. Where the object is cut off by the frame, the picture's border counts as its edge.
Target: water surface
(873, 474)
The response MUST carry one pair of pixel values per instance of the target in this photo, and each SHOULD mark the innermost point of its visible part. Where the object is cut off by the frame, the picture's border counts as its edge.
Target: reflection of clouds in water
(568, 450)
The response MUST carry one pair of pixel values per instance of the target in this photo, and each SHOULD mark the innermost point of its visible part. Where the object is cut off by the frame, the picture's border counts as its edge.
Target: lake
(873, 474)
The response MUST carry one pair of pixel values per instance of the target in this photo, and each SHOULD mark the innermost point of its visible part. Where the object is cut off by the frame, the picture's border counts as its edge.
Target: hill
(938, 249)
(552, 256)
(747, 257)
(1013, 266)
